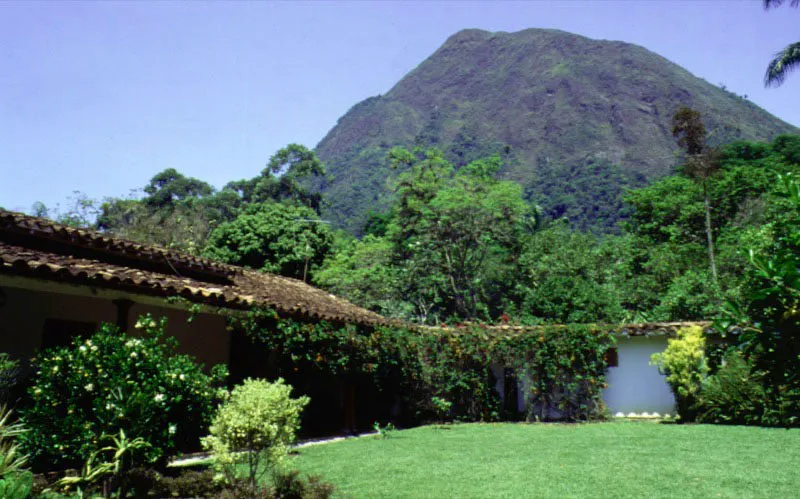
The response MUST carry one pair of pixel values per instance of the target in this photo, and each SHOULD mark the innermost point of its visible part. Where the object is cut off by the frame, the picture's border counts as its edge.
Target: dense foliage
(83, 395)
(446, 373)
(459, 244)
(767, 326)
(275, 237)
(733, 394)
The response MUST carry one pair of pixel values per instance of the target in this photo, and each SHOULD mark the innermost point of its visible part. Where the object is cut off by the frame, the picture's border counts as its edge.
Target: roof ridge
(94, 240)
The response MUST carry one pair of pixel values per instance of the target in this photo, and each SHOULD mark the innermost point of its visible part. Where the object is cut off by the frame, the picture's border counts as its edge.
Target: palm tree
(785, 60)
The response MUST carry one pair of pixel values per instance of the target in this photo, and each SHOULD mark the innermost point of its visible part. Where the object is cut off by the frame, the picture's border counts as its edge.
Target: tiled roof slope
(669, 329)
(39, 248)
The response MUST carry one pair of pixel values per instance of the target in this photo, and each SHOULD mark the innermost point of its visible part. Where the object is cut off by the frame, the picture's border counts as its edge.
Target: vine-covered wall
(436, 374)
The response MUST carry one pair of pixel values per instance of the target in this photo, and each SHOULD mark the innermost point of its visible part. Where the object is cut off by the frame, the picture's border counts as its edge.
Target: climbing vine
(446, 374)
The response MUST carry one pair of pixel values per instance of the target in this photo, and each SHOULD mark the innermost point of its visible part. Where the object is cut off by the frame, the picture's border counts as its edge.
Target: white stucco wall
(636, 386)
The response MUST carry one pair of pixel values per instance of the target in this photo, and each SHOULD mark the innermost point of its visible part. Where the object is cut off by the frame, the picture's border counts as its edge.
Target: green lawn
(623, 459)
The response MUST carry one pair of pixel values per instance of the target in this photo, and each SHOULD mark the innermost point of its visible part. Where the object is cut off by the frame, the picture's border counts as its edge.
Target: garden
(106, 415)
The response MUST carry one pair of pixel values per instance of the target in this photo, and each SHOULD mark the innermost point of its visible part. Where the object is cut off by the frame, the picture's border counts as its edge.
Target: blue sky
(100, 96)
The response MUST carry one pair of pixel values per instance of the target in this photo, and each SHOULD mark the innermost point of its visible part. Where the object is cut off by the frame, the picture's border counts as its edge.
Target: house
(635, 387)
(58, 281)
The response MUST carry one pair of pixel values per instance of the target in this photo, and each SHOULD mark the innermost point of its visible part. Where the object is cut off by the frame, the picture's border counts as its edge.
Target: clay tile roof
(38, 248)
(668, 329)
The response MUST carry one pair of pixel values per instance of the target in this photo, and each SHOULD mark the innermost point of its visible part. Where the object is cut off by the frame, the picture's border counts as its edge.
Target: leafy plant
(384, 431)
(18, 485)
(290, 485)
(684, 363)
(111, 382)
(767, 327)
(15, 480)
(442, 407)
(254, 428)
(12, 459)
(9, 376)
(732, 395)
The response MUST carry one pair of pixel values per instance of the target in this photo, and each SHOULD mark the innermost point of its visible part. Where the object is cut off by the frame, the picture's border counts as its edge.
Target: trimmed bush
(254, 429)
(85, 393)
(684, 363)
(733, 395)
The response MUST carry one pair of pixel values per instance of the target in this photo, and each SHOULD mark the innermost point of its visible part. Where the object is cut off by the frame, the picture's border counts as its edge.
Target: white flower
(110, 406)
(93, 348)
(159, 397)
(89, 387)
(172, 429)
(82, 348)
(181, 377)
(134, 355)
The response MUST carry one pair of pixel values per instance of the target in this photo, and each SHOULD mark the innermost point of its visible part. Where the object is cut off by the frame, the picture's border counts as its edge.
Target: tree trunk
(709, 235)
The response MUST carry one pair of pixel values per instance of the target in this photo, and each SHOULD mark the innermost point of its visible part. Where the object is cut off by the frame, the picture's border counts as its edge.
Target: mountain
(576, 120)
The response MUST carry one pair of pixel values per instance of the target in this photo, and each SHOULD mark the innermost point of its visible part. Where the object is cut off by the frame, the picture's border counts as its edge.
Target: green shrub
(190, 483)
(254, 428)
(147, 482)
(732, 395)
(684, 363)
(12, 459)
(16, 485)
(93, 389)
(15, 481)
(291, 485)
(9, 376)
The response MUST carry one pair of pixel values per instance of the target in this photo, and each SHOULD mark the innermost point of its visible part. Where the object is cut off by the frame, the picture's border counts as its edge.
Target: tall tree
(787, 59)
(457, 234)
(171, 186)
(702, 163)
(283, 238)
(282, 179)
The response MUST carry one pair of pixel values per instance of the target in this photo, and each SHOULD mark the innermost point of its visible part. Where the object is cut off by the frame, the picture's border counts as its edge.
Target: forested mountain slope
(575, 120)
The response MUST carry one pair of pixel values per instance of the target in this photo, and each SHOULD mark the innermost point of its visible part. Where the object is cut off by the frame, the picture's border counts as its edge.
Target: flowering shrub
(255, 428)
(114, 382)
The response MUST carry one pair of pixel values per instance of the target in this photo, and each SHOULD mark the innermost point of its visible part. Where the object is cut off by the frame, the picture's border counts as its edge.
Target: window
(612, 357)
(59, 333)
(510, 396)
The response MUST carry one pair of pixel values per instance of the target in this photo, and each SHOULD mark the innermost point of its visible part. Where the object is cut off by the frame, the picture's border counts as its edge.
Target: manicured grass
(622, 459)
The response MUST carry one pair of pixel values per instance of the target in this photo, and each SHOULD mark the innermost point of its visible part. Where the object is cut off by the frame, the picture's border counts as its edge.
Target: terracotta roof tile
(89, 258)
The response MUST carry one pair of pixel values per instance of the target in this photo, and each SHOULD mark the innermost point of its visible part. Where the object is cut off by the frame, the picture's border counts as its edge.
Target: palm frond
(774, 4)
(784, 61)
